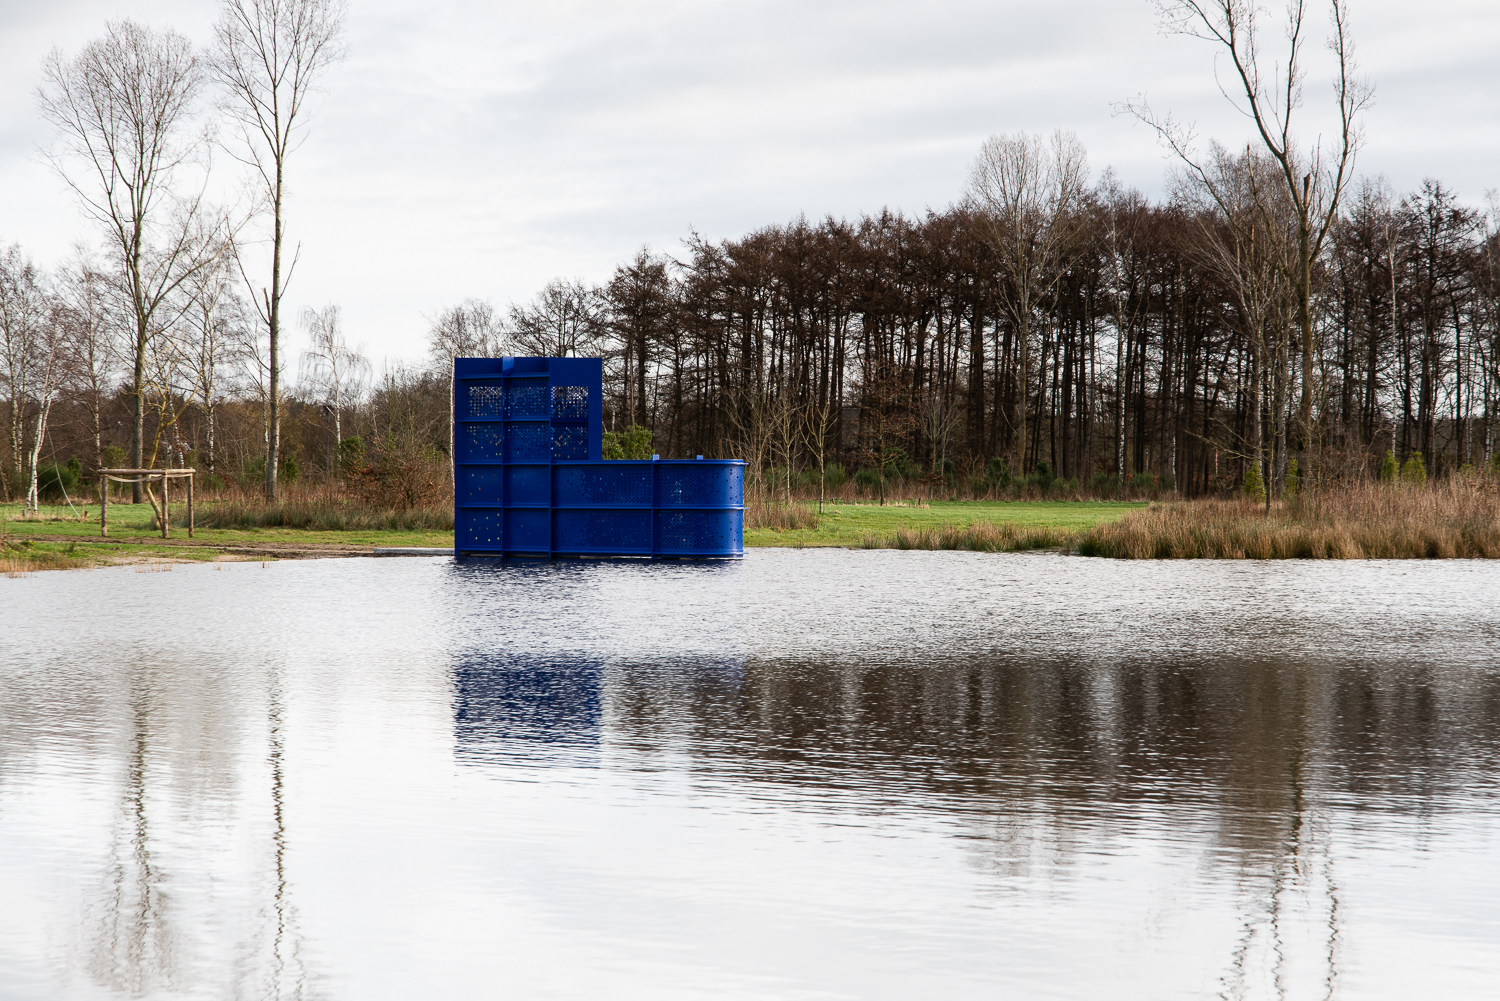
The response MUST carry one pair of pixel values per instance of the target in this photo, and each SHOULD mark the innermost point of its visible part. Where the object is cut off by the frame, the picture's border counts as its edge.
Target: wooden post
(190, 505)
(165, 511)
(103, 506)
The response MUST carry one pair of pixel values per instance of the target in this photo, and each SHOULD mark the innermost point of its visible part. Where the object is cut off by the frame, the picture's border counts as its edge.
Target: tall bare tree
(562, 321)
(123, 110)
(331, 369)
(93, 348)
(1026, 192)
(269, 56)
(1268, 92)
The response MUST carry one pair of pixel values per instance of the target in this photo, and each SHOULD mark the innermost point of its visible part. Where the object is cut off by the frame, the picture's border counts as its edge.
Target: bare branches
(268, 58)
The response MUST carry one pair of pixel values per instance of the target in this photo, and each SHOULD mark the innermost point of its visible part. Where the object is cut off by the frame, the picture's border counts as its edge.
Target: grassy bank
(1458, 518)
(982, 525)
(59, 538)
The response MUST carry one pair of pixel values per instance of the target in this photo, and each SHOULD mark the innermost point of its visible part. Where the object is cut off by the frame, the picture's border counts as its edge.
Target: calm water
(810, 775)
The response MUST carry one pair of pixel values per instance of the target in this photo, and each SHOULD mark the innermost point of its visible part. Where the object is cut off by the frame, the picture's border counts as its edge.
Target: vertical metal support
(103, 506)
(190, 505)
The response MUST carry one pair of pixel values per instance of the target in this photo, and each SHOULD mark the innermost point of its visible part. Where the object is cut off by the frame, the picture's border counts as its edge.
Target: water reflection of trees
(1244, 765)
(191, 892)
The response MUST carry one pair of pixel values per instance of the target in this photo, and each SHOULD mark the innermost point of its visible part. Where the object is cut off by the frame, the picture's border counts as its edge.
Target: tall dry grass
(1459, 517)
(762, 511)
(317, 511)
(980, 537)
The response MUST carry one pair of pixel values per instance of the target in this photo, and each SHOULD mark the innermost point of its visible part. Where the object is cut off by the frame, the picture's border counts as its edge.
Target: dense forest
(888, 340)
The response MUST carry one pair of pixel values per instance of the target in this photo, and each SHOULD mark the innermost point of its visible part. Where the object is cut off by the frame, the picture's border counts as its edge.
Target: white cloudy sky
(479, 149)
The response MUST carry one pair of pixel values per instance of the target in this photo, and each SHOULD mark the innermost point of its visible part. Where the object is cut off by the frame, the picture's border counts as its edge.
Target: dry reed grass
(980, 537)
(318, 513)
(1457, 518)
(769, 512)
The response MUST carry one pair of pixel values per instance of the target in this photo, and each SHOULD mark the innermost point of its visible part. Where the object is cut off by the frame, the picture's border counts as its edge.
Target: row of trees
(136, 116)
(1135, 337)
(1155, 344)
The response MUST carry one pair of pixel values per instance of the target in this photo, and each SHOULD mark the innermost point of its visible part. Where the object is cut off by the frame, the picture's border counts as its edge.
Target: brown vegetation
(981, 537)
(1457, 518)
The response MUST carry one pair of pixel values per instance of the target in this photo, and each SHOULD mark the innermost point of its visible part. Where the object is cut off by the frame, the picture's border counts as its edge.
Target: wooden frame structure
(147, 477)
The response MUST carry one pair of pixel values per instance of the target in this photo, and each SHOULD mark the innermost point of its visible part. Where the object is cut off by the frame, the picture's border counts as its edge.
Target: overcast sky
(479, 149)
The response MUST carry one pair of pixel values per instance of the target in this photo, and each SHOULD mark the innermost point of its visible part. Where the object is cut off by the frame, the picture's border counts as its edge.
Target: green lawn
(130, 533)
(849, 524)
(839, 525)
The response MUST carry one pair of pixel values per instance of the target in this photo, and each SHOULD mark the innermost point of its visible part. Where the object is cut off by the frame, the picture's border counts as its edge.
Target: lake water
(808, 775)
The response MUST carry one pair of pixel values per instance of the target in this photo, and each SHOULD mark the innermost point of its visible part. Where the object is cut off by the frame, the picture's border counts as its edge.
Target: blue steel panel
(481, 443)
(569, 441)
(708, 533)
(478, 529)
(602, 483)
(626, 532)
(528, 531)
(527, 398)
(528, 442)
(479, 485)
(570, 403)
(483, 400)
(695, 484)
(527, 485)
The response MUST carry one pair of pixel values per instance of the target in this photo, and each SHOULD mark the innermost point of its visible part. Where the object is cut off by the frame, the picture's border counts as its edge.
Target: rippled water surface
(809, 775)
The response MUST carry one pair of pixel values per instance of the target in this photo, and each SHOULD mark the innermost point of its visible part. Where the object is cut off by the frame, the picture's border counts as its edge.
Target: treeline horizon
(889, 339)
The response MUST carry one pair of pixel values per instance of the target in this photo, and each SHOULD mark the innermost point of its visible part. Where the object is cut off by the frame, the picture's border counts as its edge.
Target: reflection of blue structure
(529, 473)
(500, 709)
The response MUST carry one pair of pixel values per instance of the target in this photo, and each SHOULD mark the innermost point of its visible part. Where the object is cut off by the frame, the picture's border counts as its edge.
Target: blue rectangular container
(530, 478)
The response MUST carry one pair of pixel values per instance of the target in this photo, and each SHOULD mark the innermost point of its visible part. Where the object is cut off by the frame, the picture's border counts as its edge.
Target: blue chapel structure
(530, 477)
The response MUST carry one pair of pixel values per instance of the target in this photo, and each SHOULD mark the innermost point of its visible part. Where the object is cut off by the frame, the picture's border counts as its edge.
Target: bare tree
(214, 323)
(469, 330)
(93, 347)
(331, 369)
(269, 57)
(1312, 179)
(1247, 238)
(562, 321)
(122, 109)
(1026, 192)
(27, 363)
(821, 420)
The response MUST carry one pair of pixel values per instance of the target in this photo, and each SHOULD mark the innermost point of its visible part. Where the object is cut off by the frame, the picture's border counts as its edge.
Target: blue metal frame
(529, 477)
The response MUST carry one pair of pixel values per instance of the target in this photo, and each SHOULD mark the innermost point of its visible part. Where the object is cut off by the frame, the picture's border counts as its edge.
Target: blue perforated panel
(695, 532)
(479, 529)
(570, 441)
(692, 485)
(570, 403)
(479, 485)
(483, 401)
(603, 531)
(527, 485)
(527, 398)
(528, 531)
(602, 483)
(481, 442)
(528, 442)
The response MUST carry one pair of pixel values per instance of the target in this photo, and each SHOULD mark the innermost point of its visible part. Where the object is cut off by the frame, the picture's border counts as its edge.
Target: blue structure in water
(530, 477)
